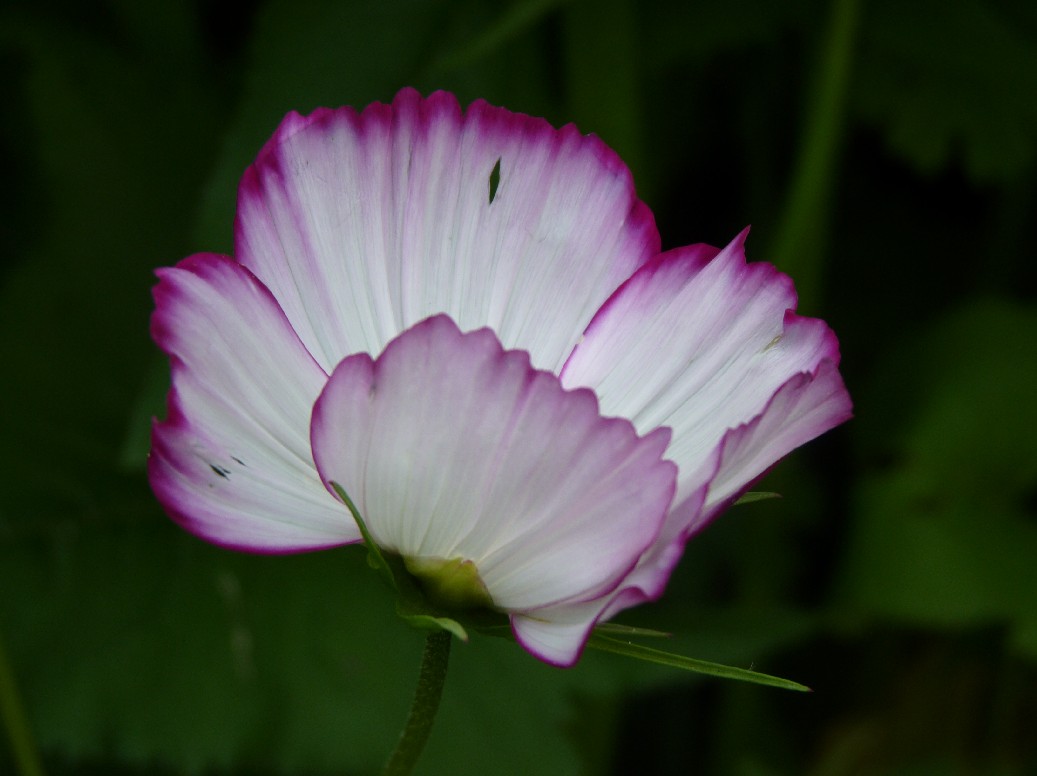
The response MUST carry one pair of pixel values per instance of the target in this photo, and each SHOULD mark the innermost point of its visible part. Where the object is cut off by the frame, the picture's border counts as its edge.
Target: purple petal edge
(168, 458)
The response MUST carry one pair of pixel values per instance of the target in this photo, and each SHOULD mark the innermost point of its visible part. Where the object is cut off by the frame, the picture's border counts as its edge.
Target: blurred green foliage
(898, 576)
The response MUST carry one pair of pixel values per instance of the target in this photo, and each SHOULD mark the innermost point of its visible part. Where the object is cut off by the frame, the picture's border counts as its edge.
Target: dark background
(884, 153)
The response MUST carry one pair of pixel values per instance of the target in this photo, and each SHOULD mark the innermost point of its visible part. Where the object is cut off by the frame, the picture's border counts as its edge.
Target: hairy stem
(423, 710)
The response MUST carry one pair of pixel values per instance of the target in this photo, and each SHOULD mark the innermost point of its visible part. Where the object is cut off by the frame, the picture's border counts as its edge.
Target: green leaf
(945, 83)
(616, 629)
(186, 676)
(944, 534)
(638, 652)
(758, 495)
(293, 664)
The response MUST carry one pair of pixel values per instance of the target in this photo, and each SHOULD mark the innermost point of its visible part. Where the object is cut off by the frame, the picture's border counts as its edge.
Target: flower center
(452, 584)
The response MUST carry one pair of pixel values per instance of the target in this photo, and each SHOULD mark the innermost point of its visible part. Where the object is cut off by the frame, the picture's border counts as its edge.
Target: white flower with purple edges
(463, 320)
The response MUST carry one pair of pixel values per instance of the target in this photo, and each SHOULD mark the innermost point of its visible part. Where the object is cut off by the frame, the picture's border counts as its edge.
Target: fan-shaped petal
(807, 405)
(558, 634)
(701, 341)
(453, 448)
(364, 224)
(232, 460)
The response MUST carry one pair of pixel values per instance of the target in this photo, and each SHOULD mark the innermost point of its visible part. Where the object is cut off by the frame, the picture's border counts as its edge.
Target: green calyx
(438, 594)
(451, 584)
(431, 593)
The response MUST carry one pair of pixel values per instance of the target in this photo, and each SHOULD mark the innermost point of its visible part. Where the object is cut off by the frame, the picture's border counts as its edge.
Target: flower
(464, 321)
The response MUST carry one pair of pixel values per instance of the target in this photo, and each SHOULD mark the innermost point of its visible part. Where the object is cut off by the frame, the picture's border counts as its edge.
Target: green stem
(426, 702)
(13, 715)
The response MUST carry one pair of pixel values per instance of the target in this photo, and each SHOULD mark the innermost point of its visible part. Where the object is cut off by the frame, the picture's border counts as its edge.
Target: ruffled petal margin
(710, 346)
(231, 462)
(363, 224)
(700, 341)
(453, 448)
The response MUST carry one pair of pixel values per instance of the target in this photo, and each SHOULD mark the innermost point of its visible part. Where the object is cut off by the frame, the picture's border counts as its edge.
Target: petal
(703, 345)
(558, 634)
(559, 643)
(364, 224)
(232, 463)
(648, 579)
(452, 447)
(793, 415)
(806, 406)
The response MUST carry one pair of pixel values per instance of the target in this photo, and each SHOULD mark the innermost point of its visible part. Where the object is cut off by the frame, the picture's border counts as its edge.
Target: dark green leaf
(639, 652)
(943, 535)
(949, 84)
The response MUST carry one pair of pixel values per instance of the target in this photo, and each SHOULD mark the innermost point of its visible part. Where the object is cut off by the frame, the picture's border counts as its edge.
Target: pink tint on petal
(452, 447)
(364, 224)
(702, 342)
(231, 462)
(375, 232)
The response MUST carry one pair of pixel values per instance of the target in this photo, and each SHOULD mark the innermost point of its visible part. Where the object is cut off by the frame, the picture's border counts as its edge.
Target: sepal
(412, 605)
(375, 559)
(428, 622)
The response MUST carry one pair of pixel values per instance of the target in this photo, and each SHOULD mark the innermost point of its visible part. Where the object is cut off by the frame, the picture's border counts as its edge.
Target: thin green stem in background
(514, 20)
(799, 246)
(434, 664)
(13, 715)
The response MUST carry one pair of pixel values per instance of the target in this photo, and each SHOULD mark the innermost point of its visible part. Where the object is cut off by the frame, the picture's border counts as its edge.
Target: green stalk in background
(13, 715)
(799, 247)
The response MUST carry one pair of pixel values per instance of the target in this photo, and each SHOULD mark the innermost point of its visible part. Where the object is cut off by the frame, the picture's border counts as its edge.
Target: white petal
(805, 407)
(452, 448)
(699, 341)
(557, 634)
(702, 345)
(232, 460)
(363, 225)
